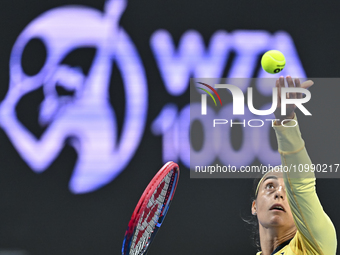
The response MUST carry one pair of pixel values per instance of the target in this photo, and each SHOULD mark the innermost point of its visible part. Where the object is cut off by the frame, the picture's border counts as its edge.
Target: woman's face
(271, 205)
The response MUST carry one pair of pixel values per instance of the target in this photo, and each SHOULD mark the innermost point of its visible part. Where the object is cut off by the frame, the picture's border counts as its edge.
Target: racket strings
(167, 193)
(149, 217)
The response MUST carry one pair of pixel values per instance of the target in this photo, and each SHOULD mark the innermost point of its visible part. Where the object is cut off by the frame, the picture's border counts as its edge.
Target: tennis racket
(150, 211)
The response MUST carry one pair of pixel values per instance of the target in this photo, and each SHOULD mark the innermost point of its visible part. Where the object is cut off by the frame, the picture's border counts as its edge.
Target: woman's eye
(269, 186)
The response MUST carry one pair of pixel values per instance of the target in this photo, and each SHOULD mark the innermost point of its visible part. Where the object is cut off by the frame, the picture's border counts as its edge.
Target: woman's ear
(253, 208)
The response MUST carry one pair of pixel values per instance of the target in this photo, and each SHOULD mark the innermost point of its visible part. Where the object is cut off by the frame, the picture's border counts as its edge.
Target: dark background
(40, 215)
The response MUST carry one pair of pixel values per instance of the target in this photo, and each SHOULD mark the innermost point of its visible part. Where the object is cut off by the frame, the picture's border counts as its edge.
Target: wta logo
(85, 115)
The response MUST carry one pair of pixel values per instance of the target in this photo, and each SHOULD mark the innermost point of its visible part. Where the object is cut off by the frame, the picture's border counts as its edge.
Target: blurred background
(90, 92)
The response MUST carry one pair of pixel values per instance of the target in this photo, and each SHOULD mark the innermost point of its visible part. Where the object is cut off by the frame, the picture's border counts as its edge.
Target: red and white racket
(150, 211)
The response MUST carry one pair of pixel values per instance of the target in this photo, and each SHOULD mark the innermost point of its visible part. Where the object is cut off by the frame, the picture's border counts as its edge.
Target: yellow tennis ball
(273, 61)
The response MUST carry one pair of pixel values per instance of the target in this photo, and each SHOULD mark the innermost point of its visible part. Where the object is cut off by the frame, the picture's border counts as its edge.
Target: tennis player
(290, 217)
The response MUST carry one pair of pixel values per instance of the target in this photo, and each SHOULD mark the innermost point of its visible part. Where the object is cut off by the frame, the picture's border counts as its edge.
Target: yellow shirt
(315, 231)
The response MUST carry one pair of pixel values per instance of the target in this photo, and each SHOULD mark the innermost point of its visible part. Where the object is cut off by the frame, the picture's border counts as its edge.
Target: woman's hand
(290, 108)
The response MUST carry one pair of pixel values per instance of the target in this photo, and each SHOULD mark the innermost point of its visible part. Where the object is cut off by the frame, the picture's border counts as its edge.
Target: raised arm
(316, 232)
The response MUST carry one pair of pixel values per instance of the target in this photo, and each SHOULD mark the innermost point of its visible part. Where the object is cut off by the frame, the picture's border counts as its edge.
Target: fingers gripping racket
(150, 211)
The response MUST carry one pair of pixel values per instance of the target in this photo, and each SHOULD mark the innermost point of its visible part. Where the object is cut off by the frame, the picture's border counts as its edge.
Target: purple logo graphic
(87, 116)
